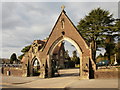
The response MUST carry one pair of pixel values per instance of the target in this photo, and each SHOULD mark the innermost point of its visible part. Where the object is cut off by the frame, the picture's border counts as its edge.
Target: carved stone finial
(62, 7)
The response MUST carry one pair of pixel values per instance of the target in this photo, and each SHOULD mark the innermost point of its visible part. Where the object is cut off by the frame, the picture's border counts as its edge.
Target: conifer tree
(95, 26)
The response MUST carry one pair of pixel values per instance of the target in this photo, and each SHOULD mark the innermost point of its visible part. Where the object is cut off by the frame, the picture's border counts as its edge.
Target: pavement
(69, 79)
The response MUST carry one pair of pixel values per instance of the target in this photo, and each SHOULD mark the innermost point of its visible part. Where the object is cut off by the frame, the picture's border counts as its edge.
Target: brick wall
(107, 73)
(13, 71)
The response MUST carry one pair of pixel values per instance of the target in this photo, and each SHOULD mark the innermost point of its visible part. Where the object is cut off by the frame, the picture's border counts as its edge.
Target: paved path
(69, 79)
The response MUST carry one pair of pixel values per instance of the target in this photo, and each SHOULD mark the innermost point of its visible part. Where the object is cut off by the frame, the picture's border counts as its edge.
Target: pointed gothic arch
(69, 33)
(62, 39)
(63, 29)
(73, 42)
(35, 66)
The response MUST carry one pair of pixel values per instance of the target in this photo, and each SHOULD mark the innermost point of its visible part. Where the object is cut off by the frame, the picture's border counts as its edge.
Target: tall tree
(67, 55)
(74, 53)
(117, 28)
(24, 50)
(13, 58)
(111, 40)
(109, 46)
(117, 45)
(94, 26)
(75, 58)
(117, 52)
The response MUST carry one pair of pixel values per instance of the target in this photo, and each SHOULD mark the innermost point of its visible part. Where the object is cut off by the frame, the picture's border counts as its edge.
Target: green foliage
(13, 58)
(46, 38)
(117, 51)
(95, 27)
(117, 29)
(74, 53)
(75, 58)
(118, 23)
(67, 55)
(95, 24)
(109, 46)
(26, 49)
(100, 57)
(109, 42)
(20, 57)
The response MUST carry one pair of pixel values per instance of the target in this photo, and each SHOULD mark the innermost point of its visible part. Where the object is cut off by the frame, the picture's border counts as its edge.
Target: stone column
(42, 72)
(85, 67)
(49, 57)
(24, 68)
(62, 63)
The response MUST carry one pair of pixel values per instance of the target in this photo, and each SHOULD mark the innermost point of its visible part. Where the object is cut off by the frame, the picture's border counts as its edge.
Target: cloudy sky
(27, 21)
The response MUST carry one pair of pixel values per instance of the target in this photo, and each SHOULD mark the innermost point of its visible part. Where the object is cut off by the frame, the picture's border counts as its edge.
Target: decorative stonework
(62, 23)
(63, 30)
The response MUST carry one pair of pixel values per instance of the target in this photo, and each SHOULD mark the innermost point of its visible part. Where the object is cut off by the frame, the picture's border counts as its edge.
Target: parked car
(103, 63)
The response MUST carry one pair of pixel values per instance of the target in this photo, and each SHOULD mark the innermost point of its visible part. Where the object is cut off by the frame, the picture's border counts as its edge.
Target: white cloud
(24, 22)
(77, 11)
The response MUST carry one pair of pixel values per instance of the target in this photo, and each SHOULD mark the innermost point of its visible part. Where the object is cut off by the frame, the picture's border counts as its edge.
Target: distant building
(4, 61)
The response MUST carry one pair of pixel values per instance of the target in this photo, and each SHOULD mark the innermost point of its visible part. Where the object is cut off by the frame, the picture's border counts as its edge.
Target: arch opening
(59, 62)
(36, 67)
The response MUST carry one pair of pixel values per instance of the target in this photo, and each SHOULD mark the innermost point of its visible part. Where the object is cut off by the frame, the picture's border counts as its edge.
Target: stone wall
(14, 71)
(107, 73)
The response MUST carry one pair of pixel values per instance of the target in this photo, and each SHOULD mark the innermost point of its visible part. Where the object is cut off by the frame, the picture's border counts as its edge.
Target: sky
(23, 22)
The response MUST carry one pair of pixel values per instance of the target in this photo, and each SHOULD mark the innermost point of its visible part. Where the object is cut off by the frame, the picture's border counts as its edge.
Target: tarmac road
(69, 79)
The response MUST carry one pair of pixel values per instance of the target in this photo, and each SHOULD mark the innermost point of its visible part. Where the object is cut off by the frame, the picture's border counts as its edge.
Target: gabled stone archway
(63, 29)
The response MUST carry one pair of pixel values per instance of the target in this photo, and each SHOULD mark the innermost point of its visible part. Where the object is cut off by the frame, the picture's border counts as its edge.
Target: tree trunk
(93, 48)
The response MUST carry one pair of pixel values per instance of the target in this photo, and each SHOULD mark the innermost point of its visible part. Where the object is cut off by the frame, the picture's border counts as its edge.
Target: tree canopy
(13, 58)
(95, 27)
(75, 58)
(97, 22)
(24, 50)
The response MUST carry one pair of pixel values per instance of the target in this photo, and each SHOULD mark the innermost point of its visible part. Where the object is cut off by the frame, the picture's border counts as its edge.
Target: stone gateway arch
(63, 29)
